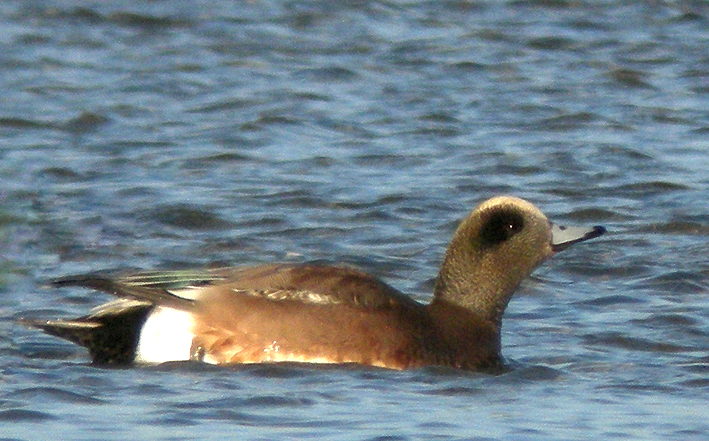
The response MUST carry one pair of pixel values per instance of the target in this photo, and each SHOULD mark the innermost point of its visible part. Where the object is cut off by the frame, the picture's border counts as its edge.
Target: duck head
(499, 244)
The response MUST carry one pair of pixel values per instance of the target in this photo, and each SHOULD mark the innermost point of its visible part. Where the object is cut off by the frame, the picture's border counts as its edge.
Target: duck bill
(563, 237)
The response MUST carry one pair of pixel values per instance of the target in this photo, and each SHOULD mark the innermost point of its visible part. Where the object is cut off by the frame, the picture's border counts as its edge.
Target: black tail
(111, 335)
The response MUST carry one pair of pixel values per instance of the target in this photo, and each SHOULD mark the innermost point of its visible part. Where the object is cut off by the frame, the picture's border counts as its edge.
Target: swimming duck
(324, 314)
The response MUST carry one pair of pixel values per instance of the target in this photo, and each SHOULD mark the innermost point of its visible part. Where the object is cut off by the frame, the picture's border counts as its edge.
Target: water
(171, 134)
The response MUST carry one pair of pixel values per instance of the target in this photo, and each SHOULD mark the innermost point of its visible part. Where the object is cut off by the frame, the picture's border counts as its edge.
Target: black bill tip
(563, 237)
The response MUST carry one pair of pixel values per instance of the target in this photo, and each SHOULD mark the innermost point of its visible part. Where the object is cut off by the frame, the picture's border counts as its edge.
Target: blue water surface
(142, 134)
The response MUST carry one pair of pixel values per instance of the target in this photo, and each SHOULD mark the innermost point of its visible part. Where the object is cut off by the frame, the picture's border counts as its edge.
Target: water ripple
(158, 134)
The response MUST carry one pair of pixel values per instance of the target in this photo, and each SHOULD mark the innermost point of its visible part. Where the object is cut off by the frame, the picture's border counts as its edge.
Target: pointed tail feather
(111, 338)
(119, 288)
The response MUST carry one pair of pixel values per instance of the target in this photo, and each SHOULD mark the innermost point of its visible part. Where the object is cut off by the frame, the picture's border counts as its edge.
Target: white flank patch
(165, 336)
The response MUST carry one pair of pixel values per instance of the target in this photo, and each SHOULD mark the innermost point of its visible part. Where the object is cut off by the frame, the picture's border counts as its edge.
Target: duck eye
(501, 226)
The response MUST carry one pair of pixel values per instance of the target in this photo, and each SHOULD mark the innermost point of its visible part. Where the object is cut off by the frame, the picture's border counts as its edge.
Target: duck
(317, 313)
